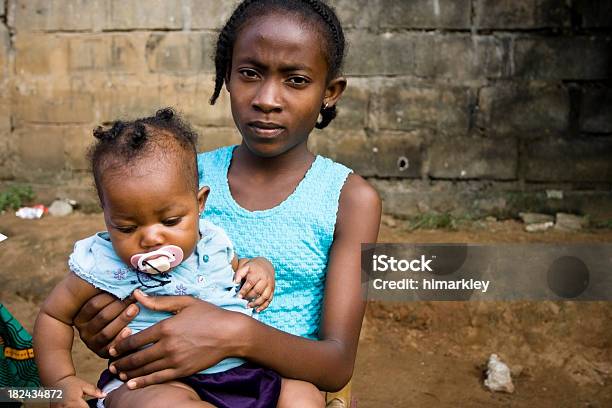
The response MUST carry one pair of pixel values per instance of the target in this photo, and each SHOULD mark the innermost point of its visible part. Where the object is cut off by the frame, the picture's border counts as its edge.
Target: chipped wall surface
(472, 106)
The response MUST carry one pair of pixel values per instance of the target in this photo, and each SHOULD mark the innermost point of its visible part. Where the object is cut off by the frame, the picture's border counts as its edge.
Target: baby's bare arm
(259, 281)
(53, 331)
(235, 263)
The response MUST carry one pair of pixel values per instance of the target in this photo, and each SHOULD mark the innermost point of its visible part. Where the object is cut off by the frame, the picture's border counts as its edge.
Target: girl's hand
(198, 337)
(75, 390)
(102, 321)
(258, 286)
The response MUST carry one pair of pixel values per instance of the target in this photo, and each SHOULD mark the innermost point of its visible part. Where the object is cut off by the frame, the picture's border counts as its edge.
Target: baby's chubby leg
(295, 393)
(171, 394)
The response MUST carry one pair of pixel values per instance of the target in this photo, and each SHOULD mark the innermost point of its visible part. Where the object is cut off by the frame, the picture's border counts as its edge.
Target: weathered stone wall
(472, 106)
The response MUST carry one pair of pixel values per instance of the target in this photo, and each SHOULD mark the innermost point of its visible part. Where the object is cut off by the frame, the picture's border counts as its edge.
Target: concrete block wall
(470, 106)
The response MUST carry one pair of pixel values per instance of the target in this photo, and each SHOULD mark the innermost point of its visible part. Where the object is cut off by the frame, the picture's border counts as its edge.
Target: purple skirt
(245, 386)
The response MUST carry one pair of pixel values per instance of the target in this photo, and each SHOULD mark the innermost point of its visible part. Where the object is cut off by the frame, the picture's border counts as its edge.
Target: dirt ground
(425, 354)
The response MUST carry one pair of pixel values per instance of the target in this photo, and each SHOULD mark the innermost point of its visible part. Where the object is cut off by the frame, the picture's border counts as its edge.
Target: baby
(146, 177)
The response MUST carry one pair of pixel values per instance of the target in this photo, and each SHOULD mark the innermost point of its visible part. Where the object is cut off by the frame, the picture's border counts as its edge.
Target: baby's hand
(258, 286)
(75, 390)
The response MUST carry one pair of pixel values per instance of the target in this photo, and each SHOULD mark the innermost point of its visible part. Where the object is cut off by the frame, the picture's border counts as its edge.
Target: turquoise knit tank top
(295, 236)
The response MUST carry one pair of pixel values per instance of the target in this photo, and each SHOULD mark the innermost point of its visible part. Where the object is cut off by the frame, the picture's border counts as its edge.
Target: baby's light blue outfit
(206, 274)
(295, 236)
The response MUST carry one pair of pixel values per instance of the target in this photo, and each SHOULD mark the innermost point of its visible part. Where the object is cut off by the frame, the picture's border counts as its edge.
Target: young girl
(146, 176)
(280, 60)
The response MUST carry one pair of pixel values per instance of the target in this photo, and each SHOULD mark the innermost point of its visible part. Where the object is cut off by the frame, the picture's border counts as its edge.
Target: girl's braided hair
(125, 141)
(315, 10)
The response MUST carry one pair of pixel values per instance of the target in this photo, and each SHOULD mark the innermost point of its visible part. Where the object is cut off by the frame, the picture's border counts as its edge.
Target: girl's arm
(53, 331)
(182, 348)
(328, 363)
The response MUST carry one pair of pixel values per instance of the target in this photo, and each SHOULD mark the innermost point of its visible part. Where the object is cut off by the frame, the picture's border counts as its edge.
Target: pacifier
(160, 260)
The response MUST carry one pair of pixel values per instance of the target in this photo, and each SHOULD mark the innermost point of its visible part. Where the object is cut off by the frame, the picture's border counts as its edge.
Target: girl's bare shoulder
(358, 199)
(358, 192)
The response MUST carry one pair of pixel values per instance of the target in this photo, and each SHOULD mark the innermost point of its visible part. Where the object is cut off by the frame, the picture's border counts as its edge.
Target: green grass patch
(15, 196)
(437, 221)
(602, 224)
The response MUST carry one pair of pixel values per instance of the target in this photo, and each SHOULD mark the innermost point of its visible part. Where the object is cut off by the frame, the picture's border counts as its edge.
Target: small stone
(490, 219)
(389, 221)
(423, 207)
(570, 222)
(498, 376)
(481, 224)
(535, 218)
(60, 208)
(554, 308)
(517, 370)
(539, 227)
(554, 194)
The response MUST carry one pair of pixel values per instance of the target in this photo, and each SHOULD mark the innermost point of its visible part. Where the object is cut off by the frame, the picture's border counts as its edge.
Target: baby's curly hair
(125, 142)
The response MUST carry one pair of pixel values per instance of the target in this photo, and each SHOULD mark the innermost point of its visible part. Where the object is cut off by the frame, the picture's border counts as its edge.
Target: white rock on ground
(570, 222)
(535, 218)
(60, 208)
(388, 221)
(498, 376)
(542, 226)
